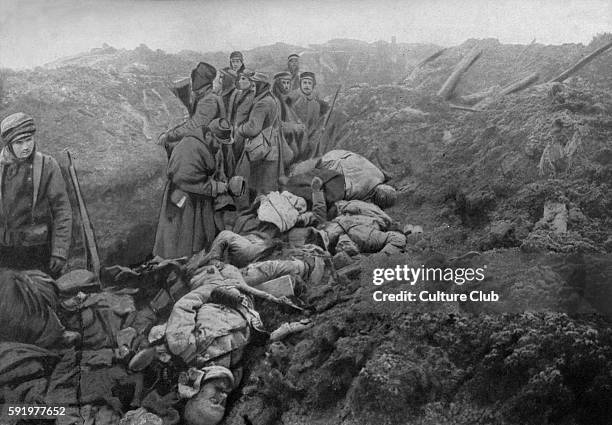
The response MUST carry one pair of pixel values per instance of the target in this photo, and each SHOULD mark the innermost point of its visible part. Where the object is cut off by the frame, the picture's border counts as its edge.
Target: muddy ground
(530, 198)
(481, 183)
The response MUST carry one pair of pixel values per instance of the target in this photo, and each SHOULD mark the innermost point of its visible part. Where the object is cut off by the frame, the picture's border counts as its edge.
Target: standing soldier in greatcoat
(35, 212)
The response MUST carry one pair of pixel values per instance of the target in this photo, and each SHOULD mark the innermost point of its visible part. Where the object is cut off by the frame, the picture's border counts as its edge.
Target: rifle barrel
(88, 232)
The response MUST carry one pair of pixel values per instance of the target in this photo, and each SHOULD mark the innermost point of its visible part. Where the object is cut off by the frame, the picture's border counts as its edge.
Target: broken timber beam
(423, 63)
(446, 91)
(512, 88)
(582, 62)
(463, 108)
(520, 85)
(472, 99)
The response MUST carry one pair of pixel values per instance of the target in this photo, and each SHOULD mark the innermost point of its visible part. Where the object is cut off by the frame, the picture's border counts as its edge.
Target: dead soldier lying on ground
(258, 231)
(94, 381)
(351, 226)
(211, 326)
(362, 180)
(39, 363)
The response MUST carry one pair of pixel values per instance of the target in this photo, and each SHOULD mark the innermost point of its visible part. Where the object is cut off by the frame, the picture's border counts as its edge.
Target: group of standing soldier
(243, 132)
(230, 157)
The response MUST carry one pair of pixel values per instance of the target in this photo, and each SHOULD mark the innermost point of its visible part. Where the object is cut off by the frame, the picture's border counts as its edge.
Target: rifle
(91, 248)
(318, 150)
(197, 279)
(264, 295)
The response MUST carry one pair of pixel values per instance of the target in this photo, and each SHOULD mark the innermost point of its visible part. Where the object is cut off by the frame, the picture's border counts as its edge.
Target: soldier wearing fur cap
(205, 107)
(35, 211)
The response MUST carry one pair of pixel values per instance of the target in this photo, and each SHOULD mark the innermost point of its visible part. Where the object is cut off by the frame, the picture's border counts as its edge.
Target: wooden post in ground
(512, 88)
(423, 63)
(582, 62)
(463, 108)
(520, 85)
(472, 99)
(446, 91)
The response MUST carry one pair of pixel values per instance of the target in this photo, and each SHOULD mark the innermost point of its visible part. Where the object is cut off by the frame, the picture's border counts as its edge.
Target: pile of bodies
(163, 343)
(166, 340)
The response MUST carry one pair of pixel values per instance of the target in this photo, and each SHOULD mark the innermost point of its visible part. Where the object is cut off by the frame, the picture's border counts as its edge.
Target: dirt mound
(502, 64)
(524, 182)
(493, 171)
(420, 363)
(109, 121)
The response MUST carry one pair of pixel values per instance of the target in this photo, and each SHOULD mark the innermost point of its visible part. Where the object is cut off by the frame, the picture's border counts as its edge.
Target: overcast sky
(34, 32)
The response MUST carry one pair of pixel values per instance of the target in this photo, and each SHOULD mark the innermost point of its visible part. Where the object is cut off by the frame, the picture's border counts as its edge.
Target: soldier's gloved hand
(56, 264)
(162, 140)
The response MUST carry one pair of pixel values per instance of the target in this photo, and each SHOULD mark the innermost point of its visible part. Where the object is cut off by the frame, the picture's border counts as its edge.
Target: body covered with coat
(360, 175)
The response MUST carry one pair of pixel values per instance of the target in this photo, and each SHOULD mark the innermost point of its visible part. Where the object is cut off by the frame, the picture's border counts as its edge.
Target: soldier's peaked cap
(260, 77)
(308, 74)
(283, 74)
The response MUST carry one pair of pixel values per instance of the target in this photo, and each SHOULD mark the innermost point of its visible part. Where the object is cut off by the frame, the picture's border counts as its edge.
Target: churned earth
(520, 187)
(503, 188)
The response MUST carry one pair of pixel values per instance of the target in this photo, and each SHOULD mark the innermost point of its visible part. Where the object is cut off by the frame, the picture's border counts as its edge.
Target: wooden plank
(447, 89)
(582, 62)
(520, 85)
(463, 108)
(421, 64)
